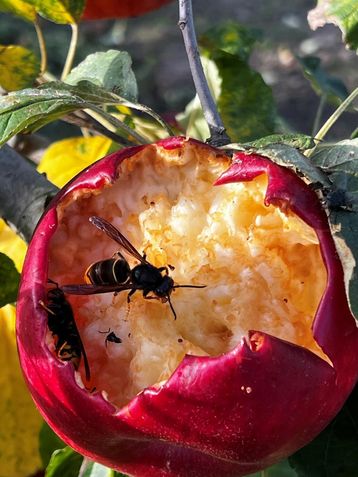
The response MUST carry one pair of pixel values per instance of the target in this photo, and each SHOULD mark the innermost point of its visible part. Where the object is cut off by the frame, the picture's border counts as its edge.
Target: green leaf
(19, 67)
(283, 469)
(340, 161)
(334, 453)
(343, 13)
(112, 70)
(288, 156)
(325, 85)
(30, 109)
(59, 11)
(298, 141)
(49, 442)
(246, 102)
(9, 280)
(64, 463)
(232, 38)
(20, 8)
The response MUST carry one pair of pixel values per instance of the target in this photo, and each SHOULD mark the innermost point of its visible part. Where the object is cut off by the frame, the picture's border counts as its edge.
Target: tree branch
(24, 193)
(218, 136)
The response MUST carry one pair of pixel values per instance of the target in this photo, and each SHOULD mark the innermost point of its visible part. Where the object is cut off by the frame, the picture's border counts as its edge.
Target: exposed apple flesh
(262, 267)
(202, 395)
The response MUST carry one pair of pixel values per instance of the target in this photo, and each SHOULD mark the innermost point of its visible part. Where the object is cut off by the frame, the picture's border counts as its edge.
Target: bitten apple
(257, 362)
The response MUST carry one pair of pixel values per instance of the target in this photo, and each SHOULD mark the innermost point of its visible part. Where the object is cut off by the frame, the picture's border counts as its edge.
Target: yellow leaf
(20, 420)
(19, 67)
(60, 11)
(20, 8)
(12, 245)
(64, 159)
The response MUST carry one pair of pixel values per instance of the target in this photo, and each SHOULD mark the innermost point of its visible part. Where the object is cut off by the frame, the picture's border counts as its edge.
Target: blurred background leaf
(246, 102)
(343, 13)
(59, 11)
(324, 84)
(19, 67)
(9, 280)
(231, 37)
(21, 8)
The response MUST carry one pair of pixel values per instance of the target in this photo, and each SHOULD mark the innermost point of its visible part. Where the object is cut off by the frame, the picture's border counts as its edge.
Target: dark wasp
(115, 274)
(61, 323)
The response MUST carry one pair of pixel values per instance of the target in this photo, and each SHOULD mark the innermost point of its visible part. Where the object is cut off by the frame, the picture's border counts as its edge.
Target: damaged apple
(262, 353)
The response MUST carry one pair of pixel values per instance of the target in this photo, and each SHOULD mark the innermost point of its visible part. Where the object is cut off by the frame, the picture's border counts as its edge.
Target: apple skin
(100, 9)
(228, 415)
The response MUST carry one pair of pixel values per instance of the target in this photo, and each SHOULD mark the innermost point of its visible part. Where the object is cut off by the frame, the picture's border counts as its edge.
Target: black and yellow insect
(62, 324)
(115, 275)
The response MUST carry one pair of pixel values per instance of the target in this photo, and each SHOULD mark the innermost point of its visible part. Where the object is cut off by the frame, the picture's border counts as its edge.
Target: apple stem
(218, 136)
(22, 210)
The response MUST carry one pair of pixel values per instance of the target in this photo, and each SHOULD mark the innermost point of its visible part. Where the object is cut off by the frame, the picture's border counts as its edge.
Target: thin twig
(218, 136)
(85, 120)
(71, 51)
(145, 109)
(318, 117)
(332, 119)
(42, 45)
(114, 122)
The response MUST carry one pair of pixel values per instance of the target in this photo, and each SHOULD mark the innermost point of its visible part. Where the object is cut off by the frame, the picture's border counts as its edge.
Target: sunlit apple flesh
(262, 268)
(257, 362)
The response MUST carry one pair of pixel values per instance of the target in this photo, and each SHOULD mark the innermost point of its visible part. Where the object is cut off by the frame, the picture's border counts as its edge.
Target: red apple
(257, 362)
(99, 9)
